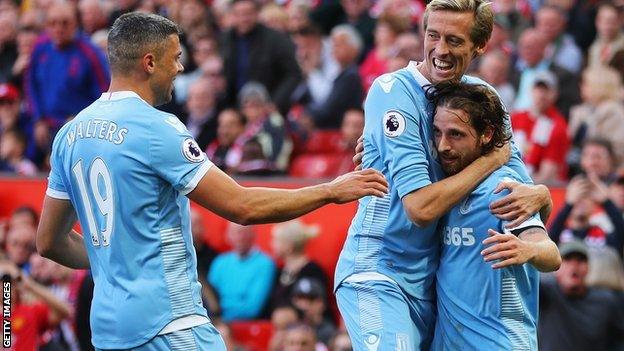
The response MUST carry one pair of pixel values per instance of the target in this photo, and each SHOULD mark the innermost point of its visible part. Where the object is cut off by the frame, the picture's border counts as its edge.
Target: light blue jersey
(480, 308)
(126, 168)
(398, 141)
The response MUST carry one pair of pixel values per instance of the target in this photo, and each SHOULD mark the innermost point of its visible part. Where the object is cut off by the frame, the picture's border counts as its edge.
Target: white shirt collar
(118, 95)
(422, 81)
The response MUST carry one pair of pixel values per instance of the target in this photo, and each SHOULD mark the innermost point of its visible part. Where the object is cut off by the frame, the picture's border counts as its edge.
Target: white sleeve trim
(531, 222)
(57, 194)
(203, 169)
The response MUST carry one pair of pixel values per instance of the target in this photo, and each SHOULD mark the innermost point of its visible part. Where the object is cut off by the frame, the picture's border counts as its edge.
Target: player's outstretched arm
(220, 194)
(523, 202)
(532, 245)
(432, 201)
(55, 238)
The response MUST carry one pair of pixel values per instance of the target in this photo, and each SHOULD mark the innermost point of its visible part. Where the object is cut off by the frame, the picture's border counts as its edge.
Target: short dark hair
(601, 142)
(27, 210)
(135, 33)
(480, 102)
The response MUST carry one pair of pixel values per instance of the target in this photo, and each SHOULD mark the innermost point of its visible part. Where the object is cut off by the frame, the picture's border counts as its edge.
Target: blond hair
(295, 232)
(481, 9)
(602, 83)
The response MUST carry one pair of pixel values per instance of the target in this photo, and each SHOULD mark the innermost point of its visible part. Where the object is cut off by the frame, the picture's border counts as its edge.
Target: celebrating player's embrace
(452, 159)
(482, 307)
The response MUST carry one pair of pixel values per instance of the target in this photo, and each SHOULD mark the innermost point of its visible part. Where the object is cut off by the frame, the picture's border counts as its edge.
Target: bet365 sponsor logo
(457, 236)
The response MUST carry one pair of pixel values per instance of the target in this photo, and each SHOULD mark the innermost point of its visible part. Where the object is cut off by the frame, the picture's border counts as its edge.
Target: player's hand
(507, 248)
(500, 155)
(523, 202)
(354, 185)
(359, 153)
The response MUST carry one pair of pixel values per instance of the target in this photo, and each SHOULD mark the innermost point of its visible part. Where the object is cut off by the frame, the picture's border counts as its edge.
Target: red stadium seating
(323, 142)
(316, 165)
(252, 335)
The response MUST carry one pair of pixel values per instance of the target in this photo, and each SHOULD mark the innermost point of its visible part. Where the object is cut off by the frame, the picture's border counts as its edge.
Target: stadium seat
(252, 335)
(316, 165)
(323, 142)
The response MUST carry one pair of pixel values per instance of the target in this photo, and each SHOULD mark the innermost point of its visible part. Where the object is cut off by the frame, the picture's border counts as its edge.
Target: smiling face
(456, 139)
(448, 47)
(166, 67)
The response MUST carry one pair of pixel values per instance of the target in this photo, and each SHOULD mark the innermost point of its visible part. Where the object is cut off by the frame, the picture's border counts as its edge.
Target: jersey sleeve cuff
(203, 169)
(57, 194)
(530, 223)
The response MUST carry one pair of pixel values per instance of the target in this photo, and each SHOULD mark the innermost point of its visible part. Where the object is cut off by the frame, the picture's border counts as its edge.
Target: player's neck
(132, 84)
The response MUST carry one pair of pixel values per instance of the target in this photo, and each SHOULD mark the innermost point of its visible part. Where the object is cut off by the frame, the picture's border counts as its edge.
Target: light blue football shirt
(480, 308)
(126, 168)
(398, 141)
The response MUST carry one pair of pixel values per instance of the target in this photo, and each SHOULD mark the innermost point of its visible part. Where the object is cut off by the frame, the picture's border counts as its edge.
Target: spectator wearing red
(541, 132)
(30, 320)
(230, 125)
(387, 29)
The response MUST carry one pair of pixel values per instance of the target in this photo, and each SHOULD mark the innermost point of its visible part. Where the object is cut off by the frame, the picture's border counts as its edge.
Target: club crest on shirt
(191, 150)
(465, 206)
(393, 124)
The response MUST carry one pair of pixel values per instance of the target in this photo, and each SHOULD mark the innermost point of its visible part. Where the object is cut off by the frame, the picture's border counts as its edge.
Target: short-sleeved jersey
(126, 168)
(480, 308)
(398, 141)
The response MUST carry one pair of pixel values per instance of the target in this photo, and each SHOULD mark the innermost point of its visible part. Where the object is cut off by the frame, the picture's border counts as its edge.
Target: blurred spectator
(301, 337)
(253, 52)
(562, 49)
(67, 72)
(597, 158)
(616, 191)
(228, 339)
(320, 69)
(531, 60)
(298, 15)
(20, 244)
(24, 215)
(387, 29)
(499, 40)
(411, 11)
(352, 12)
(410, 44)
(574, 316)
(201, 106)
(231, 125)
(264, 125)
(8, 49)
(242, 277)
(541, 132)
(289, 242)
(508, 16)
(601, 115)
(93, 16)
(193, 15)
(346, 91)
(10, 117)
(573, 220)
(275, 17)
(610, 38)
(340, 342)
(494, 69)
(581, 17)
(205, 256)
(121, 7)
(308, 296)
(605, 269)
(282, 318)
(13, 154)
(31, 317)
(205, 57)
(27, 35)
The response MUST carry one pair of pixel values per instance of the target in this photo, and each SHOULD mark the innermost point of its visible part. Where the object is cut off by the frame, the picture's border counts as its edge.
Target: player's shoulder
(502, 174)
(398, 82)
(476, 81)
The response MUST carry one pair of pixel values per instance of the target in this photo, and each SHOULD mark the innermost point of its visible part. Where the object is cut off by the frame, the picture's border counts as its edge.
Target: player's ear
(487, 135)
(478, 52)
(149, 63)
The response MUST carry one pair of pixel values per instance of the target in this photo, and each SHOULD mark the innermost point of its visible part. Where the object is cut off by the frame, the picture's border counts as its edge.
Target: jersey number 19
(98, 170)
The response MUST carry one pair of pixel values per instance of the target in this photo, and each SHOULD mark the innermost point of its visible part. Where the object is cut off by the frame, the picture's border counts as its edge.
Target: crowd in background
(276, 88)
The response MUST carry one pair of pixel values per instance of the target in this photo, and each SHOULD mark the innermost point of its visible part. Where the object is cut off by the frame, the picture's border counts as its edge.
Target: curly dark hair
(480, 102)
